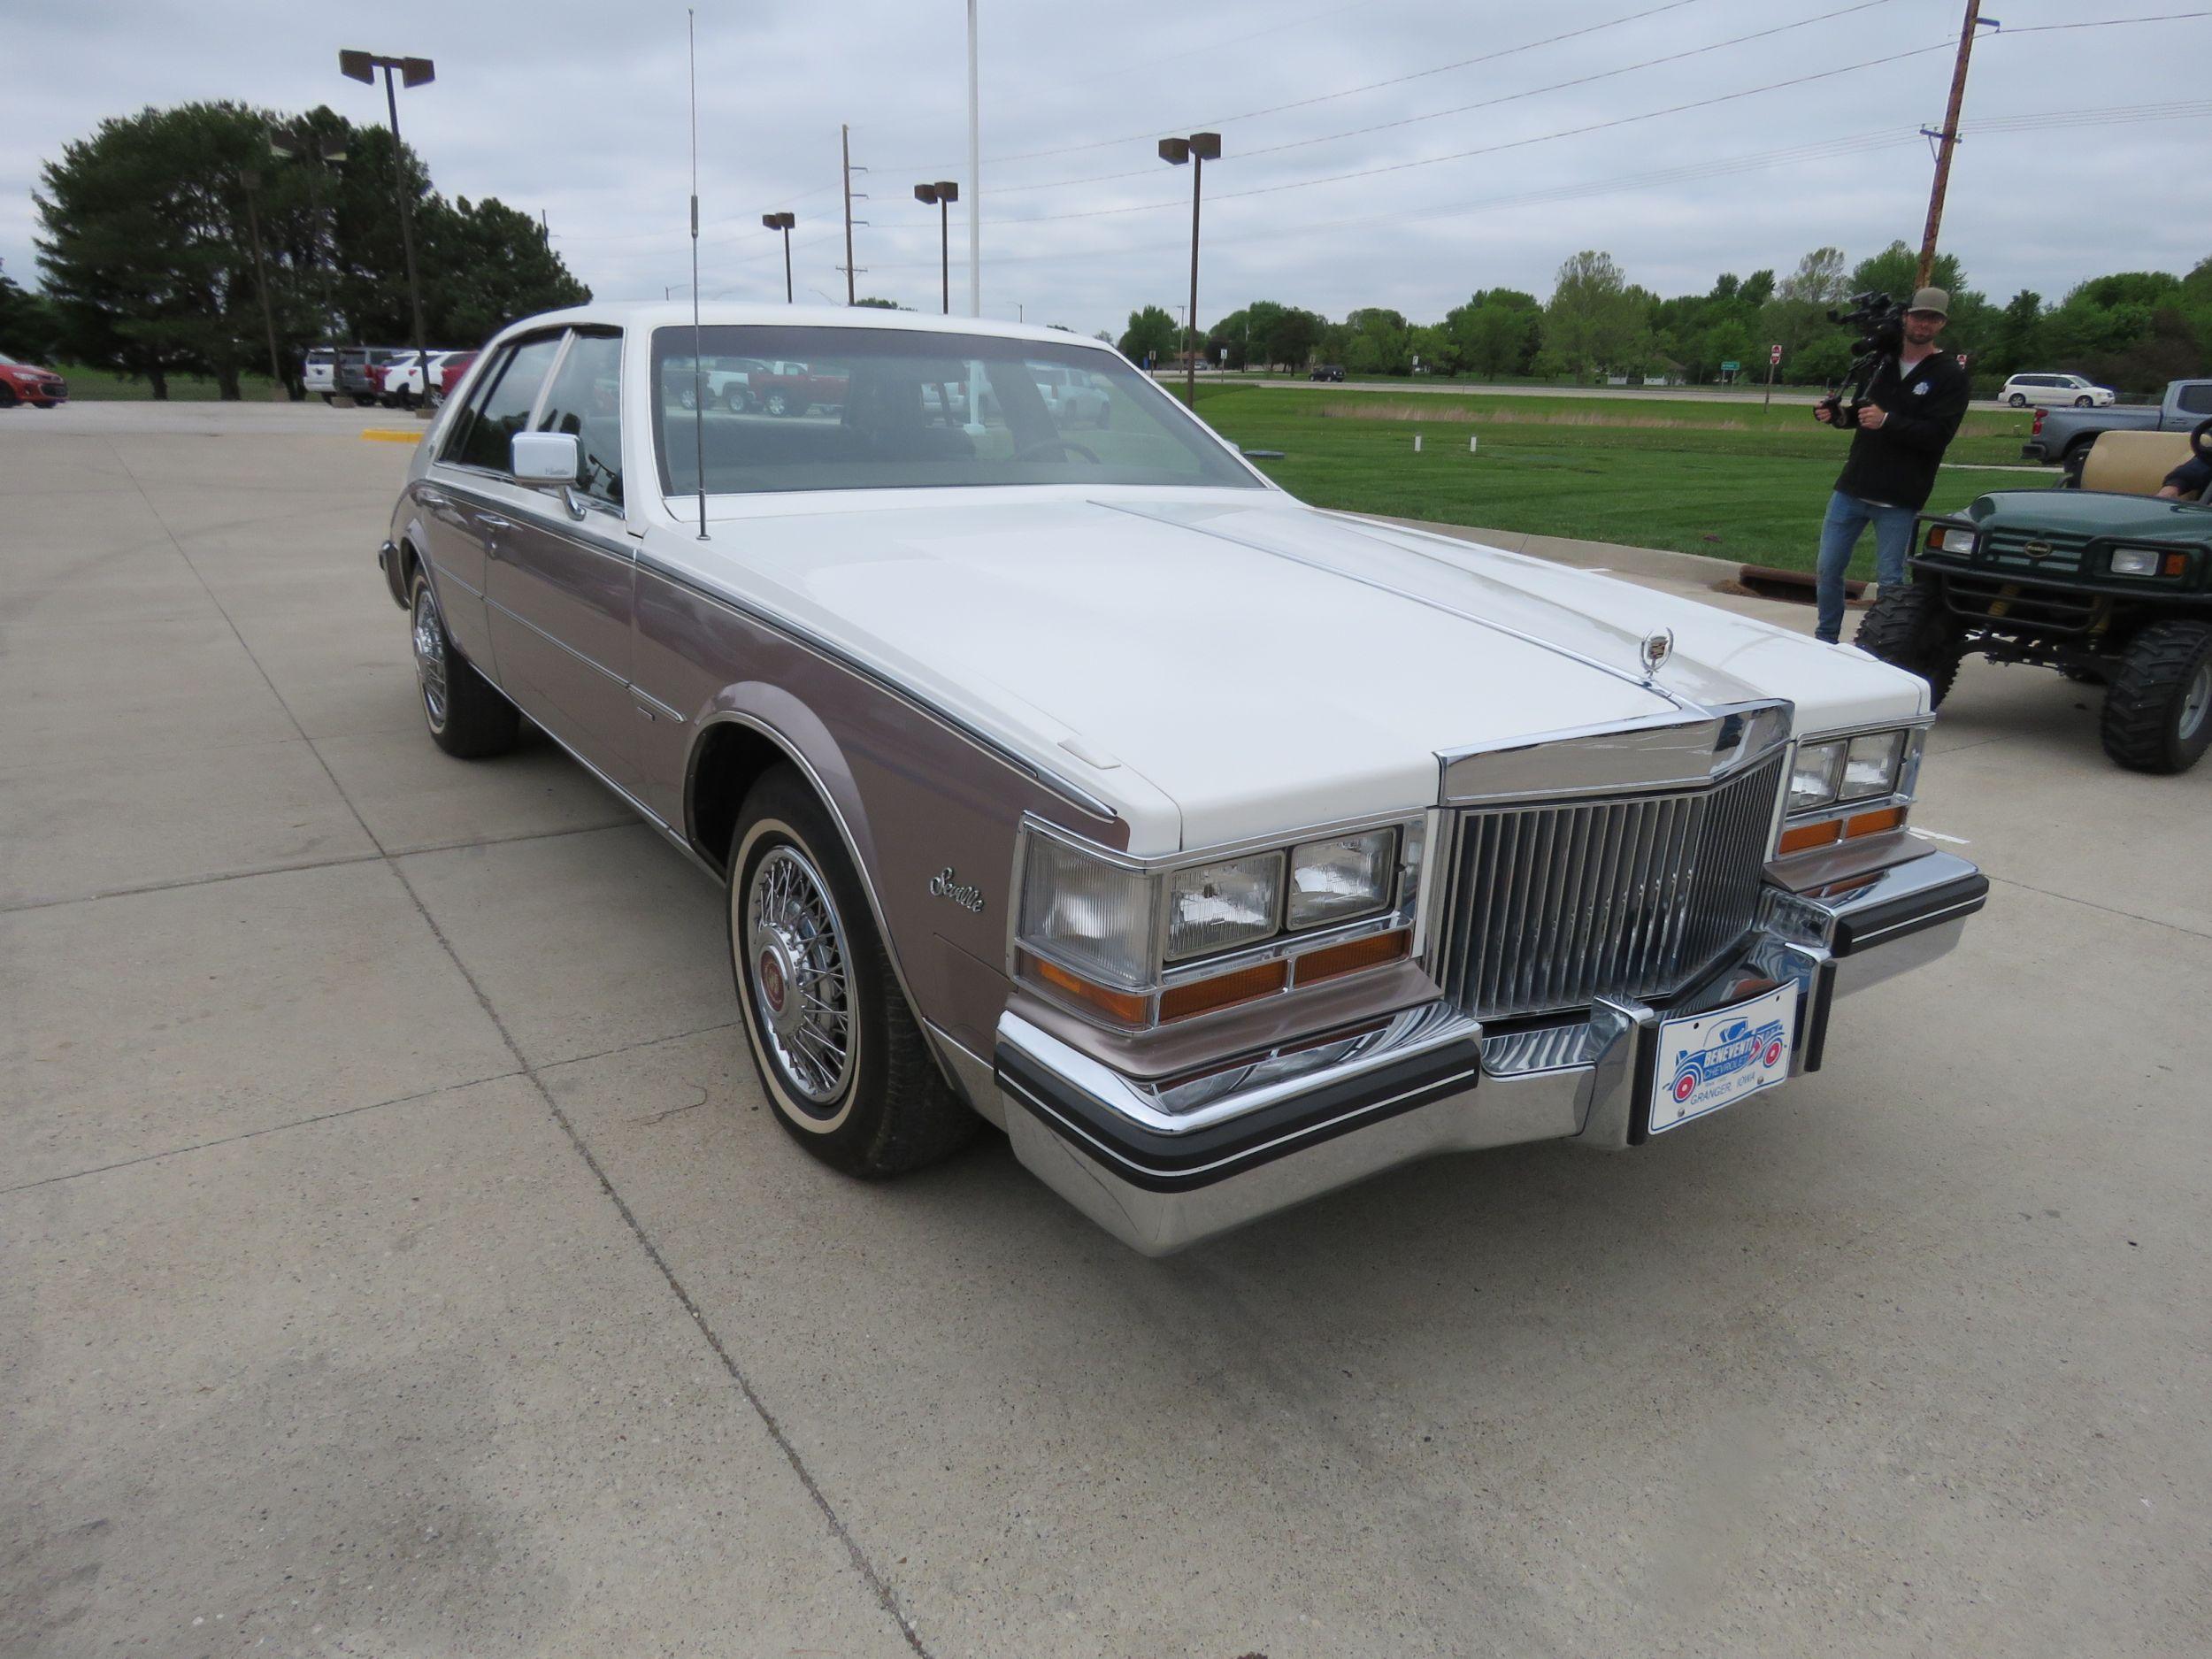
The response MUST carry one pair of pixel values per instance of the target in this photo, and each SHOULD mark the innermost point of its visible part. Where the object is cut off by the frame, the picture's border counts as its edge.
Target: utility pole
(250, 183)
(975, 181)
(1949, 138)
(845, 143)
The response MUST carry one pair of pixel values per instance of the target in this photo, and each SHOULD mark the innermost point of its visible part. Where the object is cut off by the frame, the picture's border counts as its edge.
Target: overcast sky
(579, 109)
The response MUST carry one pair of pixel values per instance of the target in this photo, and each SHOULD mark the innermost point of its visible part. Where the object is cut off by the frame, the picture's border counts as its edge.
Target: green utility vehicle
(2109, 584)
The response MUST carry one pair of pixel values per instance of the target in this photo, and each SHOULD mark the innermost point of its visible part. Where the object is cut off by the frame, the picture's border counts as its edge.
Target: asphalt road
(398, 1257)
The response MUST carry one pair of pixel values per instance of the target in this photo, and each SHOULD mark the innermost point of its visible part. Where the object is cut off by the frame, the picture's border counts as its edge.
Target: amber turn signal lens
(1328, 963)
(1202, 996)
(2177, 564)
(1125, 1006)
(1874, 823)
(1805, 837)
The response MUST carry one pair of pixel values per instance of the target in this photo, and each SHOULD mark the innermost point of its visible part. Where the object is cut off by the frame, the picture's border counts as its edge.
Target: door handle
(432, 499)
(493, 521)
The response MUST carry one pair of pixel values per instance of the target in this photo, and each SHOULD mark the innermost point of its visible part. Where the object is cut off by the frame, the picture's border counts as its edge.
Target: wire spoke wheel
(430, 663)
(799, 975)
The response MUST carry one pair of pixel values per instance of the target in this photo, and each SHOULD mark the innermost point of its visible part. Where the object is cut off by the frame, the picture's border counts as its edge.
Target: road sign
(1730, 368)
(1774, 353)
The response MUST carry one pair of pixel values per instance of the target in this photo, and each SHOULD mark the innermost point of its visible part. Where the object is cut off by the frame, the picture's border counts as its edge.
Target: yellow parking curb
(385, 434)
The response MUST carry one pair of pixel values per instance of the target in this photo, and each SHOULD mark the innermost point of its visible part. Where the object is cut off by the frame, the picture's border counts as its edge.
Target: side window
(2196, 400)
(586, 400)
(510, 392)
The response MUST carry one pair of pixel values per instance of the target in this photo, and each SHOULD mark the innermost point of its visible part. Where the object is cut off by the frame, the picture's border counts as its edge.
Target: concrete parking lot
(396, 1256)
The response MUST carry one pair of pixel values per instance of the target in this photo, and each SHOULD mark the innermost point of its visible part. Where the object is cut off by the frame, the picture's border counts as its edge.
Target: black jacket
(1895, 462)
(2190, 478)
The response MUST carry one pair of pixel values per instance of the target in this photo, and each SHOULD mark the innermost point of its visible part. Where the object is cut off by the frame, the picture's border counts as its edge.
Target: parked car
(319, 371)
(25, 383)
(1074, 396)
(447, 373)
(359, 371)
(2064, 435)
(410, 378)
(1029, 805)
(726, 382)
(2107, 584)
(1327, 372)
(793, 389)
(2055, 390)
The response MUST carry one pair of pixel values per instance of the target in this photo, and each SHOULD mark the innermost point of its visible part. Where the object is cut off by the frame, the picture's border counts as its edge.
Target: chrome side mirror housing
(543, 457)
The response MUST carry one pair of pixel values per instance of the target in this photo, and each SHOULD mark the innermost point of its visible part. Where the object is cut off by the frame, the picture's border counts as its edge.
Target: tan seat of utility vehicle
(2133, 462)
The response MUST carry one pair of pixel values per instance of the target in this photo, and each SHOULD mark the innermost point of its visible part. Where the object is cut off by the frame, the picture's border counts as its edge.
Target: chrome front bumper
(1161, 1168)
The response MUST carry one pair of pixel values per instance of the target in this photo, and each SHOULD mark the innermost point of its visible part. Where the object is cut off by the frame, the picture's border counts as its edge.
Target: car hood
(1223, 666)
(2092, 514)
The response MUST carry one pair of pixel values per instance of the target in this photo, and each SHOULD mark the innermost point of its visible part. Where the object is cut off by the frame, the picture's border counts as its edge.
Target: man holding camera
(1903, 422)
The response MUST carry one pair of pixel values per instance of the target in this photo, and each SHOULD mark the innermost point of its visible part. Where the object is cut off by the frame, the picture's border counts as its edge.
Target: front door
(559, 573)
(470, 481)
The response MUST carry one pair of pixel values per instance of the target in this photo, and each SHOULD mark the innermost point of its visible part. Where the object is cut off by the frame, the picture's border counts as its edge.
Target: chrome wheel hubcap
(798, 975)
(430, 657)
(2197, 701)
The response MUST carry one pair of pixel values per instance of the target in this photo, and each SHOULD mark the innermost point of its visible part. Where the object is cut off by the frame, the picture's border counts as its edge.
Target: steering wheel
(1045, 445)
(2200, 442)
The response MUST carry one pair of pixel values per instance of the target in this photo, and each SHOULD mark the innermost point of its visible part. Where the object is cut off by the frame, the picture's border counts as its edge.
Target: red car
(20, 383)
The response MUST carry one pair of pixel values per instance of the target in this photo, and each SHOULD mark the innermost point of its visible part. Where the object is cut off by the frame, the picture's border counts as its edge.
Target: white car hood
(1222, 666)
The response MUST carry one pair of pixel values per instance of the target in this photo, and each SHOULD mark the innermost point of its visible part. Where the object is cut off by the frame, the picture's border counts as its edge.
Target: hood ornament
(1656, 649)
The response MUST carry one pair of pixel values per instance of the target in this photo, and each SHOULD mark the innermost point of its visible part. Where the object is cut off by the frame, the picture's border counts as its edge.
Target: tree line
(148, 256)
(2130, 330)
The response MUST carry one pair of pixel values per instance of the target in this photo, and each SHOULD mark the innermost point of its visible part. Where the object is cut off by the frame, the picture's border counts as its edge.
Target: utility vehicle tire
(842, 1060)
(1909, 627)
(467, 716)
(2158, 715)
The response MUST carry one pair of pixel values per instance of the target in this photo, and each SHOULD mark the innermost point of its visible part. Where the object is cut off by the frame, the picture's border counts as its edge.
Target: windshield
(890, 408)
(4, 357)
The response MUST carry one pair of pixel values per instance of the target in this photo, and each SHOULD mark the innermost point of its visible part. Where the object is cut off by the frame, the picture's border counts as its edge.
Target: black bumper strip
(1880, 924)
(1179, 1162)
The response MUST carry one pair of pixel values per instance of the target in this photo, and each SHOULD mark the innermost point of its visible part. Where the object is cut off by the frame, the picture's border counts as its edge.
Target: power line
(1349, 92)
(1517, 143)
(1868, 141)
(1484, 104)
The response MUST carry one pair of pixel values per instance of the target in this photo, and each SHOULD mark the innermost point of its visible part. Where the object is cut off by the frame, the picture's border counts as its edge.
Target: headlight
(1814, 775)
(1094, 916)
(1331, 881)
(1218, 907)
(2137, 561)
(1950, 538)
(1871, 766)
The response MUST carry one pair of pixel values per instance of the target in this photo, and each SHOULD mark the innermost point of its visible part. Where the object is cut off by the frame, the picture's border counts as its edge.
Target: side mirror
(543, 457)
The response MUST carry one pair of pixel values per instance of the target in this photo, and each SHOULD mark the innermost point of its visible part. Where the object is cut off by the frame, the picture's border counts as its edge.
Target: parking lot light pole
(941, 195)
(783, 222)
(1198, 150)
(413, 72)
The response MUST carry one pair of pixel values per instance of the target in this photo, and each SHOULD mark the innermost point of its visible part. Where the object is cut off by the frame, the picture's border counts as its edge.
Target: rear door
(559, 580)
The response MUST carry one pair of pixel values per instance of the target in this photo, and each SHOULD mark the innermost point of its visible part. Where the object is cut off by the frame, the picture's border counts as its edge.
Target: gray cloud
(578, 110)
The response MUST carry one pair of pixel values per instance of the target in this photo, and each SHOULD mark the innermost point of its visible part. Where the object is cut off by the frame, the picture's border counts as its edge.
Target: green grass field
(1732, 482)
(104, 386)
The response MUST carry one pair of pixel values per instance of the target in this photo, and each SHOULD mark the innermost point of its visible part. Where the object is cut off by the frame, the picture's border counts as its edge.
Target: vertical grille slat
(1553, 906)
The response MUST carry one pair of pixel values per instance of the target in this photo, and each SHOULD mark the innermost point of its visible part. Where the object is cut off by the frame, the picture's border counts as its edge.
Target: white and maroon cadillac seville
(1063, 772)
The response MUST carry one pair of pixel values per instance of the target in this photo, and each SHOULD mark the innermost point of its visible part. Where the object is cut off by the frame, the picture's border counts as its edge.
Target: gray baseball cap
(1930, 300)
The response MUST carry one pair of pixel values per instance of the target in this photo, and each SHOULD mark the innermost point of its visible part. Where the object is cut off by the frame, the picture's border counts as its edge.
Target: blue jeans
(1840, 530)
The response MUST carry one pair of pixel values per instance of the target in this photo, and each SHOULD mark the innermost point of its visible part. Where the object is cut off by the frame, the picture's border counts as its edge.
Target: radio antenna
(698, 377)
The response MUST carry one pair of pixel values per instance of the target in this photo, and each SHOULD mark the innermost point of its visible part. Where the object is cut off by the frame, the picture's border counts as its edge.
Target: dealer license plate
(1712, 1060)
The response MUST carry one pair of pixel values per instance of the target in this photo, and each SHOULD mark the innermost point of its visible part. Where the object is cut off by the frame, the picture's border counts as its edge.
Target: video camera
(1881, 322)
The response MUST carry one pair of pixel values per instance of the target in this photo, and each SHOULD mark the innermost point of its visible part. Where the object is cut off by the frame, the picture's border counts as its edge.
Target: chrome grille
(1554, 905)
(2059, 555)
